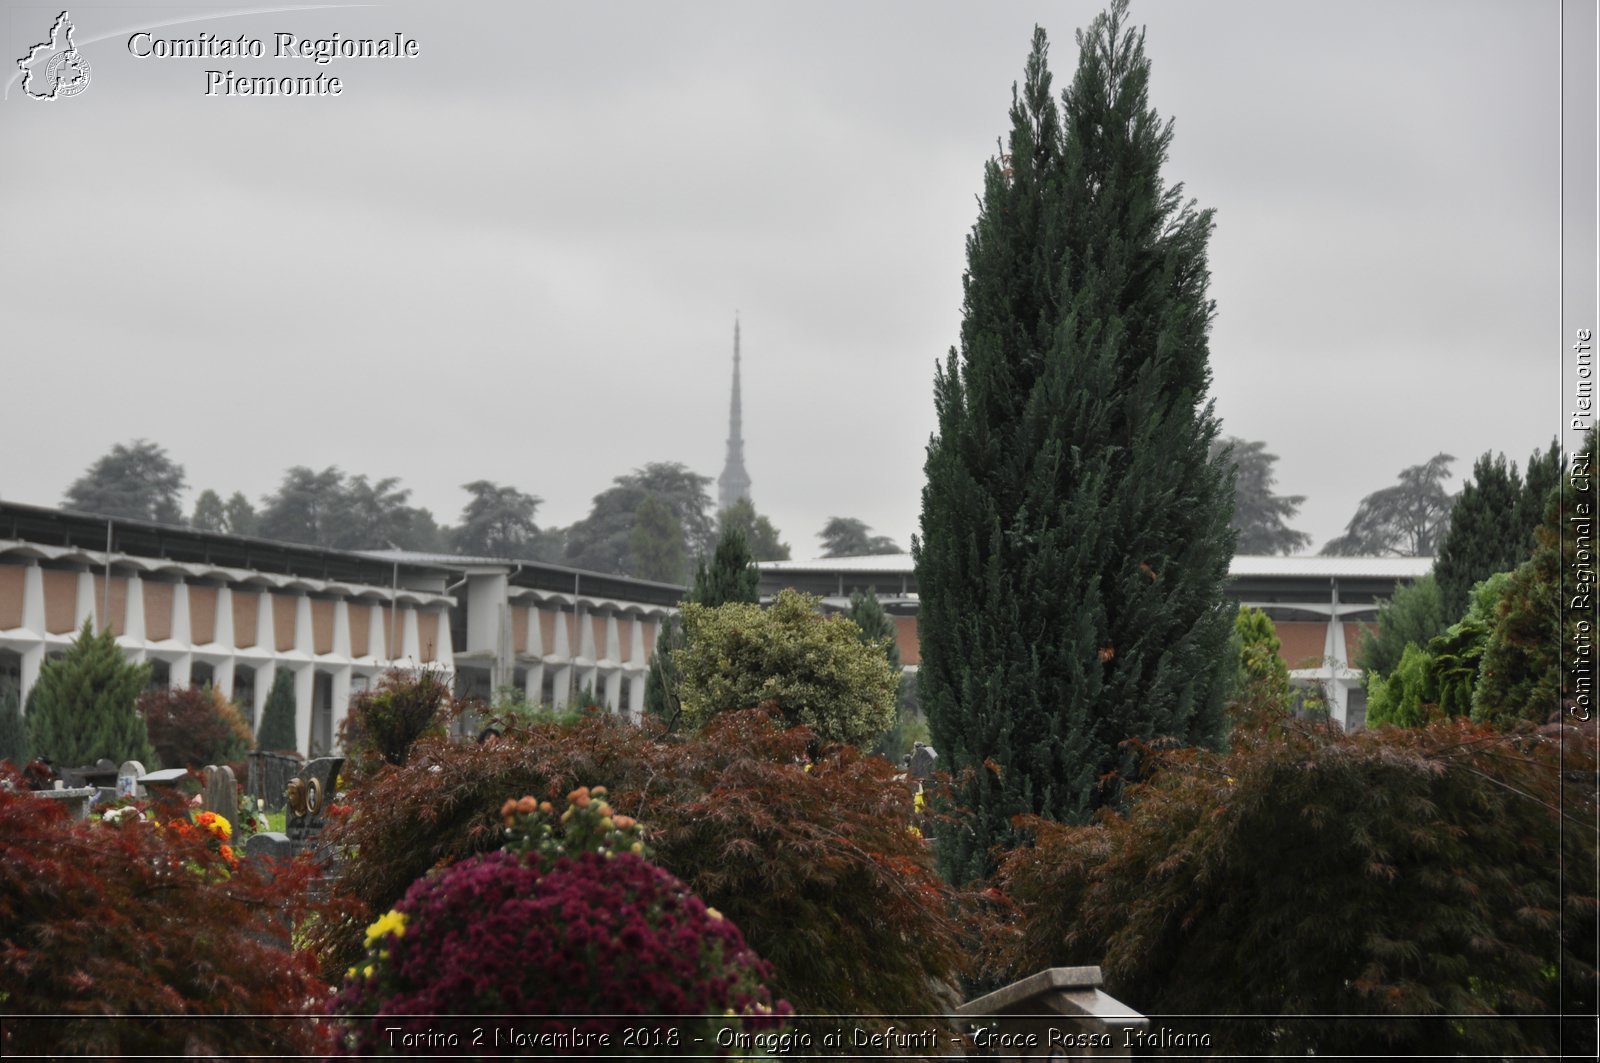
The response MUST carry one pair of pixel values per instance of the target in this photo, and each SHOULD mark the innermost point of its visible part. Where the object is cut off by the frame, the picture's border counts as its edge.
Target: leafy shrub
(1403, 872)
(817, 868)
(814, 669)
(590, 936)
(386, 722)
(191, 727)
(120, 919)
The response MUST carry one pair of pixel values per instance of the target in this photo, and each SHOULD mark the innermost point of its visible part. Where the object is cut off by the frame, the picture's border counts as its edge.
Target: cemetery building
(233, 611)
(1318, 604)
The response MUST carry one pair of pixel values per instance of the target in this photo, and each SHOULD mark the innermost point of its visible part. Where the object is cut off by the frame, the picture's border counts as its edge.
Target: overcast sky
(518, 256)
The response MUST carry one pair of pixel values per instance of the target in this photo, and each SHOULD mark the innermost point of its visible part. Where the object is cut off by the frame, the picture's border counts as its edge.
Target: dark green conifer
(82, 706)
(1491, 524)
(732, 575)
(1075, 531)
(277, 733)
(13, 730)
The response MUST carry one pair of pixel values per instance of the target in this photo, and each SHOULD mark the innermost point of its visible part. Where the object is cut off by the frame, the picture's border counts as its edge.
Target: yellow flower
(914, 831)
(713, 913)
(351, 973)
(367, 970)
(391, 922)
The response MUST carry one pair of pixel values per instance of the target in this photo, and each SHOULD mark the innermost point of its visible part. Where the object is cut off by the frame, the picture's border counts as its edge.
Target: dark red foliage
(1405, 877)
(192, 727)
(99, 919)
(818, 868)
(596, 937)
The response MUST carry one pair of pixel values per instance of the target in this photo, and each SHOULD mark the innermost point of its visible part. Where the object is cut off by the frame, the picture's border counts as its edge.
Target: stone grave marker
(924, 762)
(221, 794)
(128, 779)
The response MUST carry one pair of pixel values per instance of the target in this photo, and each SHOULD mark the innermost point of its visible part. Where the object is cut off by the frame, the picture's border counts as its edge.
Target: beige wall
(203, 614)
(60, 601)
(245, 606)
(428, 635)
(157, 611)
(284, 608)
(11, 577)
(321, 626)
(360, 626)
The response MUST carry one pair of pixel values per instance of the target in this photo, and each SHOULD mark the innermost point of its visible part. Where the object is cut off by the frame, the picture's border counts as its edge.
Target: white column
(182, 633)
(613, 638)
(304, 685)
(133, 620)
(266, 672)
(88, 604)
(341, 630)
(563, 645)
(341, 699)
(636, 643)
(410, 639)
(535, 646)
(32, 661)
(378, 632)
(266, 629)
(222, 630)
(613, 691)
(636, 698)
(303, 642)
(586, 646)
(222, 635)
(33, 599)
(444, 655)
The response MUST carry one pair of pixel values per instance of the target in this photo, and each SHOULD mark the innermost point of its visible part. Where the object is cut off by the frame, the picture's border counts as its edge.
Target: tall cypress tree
(1075, 531)
(277, 732)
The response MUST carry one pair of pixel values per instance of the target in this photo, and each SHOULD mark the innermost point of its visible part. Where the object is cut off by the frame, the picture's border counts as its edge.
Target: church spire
(734, 483)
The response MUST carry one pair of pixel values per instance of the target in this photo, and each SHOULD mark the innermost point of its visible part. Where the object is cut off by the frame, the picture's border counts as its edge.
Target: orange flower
(527, 806)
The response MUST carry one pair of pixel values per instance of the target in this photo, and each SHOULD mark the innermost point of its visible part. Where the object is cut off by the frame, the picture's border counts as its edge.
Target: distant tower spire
(734, 483)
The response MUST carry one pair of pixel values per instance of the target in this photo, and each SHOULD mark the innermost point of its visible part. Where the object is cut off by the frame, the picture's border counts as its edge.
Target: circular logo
(67, 73)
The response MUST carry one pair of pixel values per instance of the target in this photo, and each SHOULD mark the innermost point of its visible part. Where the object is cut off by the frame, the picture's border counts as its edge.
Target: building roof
(58, 534)
(1242, 565)
(1360, 580)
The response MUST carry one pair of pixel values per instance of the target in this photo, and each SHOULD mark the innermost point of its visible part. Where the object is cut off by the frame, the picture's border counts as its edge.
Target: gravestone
(269, 775)
(167, 799)
(221, 793)
(924, 762)
(1058, 1013)
(75, 799)
(307, 795)
(128, 780)
(273, 844)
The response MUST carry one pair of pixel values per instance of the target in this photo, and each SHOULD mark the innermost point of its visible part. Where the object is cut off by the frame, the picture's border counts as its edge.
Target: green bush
(813, 670)
(82, 707)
